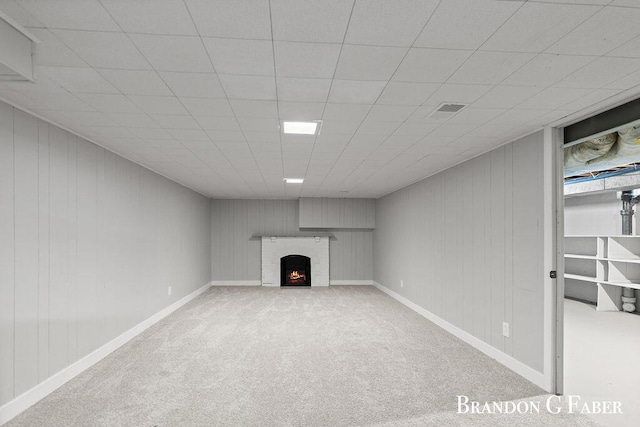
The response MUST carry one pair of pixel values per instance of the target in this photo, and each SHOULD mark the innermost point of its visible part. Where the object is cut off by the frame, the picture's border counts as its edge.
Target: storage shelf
(622, 284)
(580, 277)
(576, 256)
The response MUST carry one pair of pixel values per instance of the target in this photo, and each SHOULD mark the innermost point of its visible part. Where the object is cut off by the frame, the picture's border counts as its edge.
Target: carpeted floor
(338, 356)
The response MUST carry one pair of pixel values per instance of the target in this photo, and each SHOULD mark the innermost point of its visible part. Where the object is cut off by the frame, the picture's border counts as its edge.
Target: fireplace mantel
(315, 247)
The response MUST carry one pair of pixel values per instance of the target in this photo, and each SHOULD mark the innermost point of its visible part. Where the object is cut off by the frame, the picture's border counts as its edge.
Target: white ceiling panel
(250, 108)
(536, 26)
(132, 120)
(205, 85)
(621, 25)
(304, 111)
(457, 93)
(547, 69)
(388, 23)
(248, 87)
(234, 56)
(151, 16)
(173, 53)
(601, 72)
(368, 62)
(506, 96)
(136, 82)
(316, 60)
(109, 103)
(218, 123)
(355, 91)
(465, 24)
(207, 106)
(79, 80)
(630, 49)
(390, 113)
(71, 14)
(489, 67)
(104, 50)
(430, 65)
(239, 19)
(171, 121)
(322, 21)
(402, 93)
(158, 104)
(553, 97)
(303, 90)
(351, 112)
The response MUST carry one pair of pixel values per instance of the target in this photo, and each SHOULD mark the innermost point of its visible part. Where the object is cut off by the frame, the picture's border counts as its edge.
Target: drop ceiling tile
(259, 109)
(71, 14)
(591, 99)
(368, 62)
(248, 87)
(630, 80)
(250, 124)
(132, 120)
(78, 80)
(339, 126)
(108, 131)
(158, 104)
(295, 140)
(109, 103)
(323, 21)
(327, 141)
(546, 69)
(316, 60)
(401, 93)
(630, 49)
(352, 112)
(303, 90)
(489, 67)
(552, 98)
(92, 118)
(223, 135)
(151, 16)
(190, 134)
(385, 23)
(601, 72)
(51, 51)
(474, 115)
(465, 24)
(262, 136)
(414, 128)
(377, 127)
(136, 82)
(354, 91)
(305, 111)
(207, 106)
(505, 96)
(390, 113)
(430, 65)
(104, 50)
(456, 93)
(203, 85)
(173, 53)
(150, 133)
(235, 56)
(172, 121)
(240, 19)
(591, 38)
(536, 26)
(218, 123)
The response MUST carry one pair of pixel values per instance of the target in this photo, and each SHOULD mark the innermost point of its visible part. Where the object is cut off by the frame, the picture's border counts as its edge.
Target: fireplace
(295, 270)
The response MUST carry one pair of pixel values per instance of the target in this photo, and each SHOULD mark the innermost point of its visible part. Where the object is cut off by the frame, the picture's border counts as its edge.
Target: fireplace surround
(314, 248)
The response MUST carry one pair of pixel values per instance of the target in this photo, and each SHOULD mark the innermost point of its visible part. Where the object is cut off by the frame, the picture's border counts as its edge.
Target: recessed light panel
(300, 128)
(294, 180)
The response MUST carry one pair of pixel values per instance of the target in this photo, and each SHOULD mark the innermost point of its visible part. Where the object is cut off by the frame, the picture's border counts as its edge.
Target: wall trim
(236, 283)
(350, 282)
(29, 398)
(515, 365)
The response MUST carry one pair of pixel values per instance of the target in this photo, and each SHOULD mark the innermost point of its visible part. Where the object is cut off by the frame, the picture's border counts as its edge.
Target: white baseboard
(35, 394)
(350, 282)
(515, 365)
(237, 283)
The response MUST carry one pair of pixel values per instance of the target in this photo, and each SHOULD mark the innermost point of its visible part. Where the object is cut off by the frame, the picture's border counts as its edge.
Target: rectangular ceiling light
(301, 128)
(294, 180)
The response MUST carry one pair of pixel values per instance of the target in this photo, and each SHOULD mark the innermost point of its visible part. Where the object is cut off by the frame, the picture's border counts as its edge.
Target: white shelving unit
(611, 262)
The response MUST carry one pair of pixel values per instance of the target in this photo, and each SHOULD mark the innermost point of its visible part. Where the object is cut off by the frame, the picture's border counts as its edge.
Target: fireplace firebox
(295, 270)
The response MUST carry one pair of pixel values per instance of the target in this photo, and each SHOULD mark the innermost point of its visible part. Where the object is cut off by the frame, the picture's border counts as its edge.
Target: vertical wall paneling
(336, 213)
(7, 257)
(89, 243)
(43, 250)
(26, 251)
(482, 226)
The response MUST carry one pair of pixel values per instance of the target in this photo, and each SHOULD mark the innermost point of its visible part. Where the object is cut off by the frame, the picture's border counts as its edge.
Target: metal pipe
(628, 202)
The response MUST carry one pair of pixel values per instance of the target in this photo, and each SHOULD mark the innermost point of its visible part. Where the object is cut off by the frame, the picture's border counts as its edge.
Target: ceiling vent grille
(444, 111)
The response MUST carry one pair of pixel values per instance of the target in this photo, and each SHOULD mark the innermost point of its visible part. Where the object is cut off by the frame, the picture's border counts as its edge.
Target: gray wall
(236, 256)
(89, 243)
(468, 245)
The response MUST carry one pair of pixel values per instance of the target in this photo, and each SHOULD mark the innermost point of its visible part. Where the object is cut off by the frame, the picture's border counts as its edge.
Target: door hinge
(553, 274)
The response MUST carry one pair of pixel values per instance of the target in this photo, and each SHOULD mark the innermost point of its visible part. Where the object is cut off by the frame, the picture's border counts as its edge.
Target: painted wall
(468, 245)
(236, 255)
(89, 244)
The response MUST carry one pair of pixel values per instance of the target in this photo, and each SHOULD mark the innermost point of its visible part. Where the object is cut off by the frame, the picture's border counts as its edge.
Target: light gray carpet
(273, 357)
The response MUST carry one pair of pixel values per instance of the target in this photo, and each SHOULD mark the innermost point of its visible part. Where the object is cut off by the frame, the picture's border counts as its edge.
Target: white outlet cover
(505, 329)
(169, 291)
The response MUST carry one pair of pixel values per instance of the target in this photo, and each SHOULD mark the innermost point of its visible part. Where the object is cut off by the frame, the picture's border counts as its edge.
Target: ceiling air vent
(444, 111)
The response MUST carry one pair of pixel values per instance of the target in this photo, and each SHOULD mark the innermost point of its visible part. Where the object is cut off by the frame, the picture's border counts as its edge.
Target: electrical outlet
(505, 329)
(169, 291)
(402, 283)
